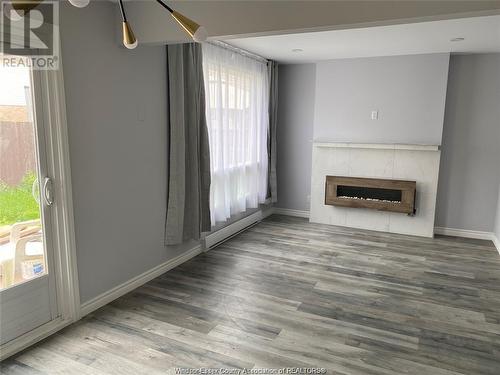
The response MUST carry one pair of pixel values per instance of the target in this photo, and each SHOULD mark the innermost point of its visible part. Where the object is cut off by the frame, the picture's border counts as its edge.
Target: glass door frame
(50, 113)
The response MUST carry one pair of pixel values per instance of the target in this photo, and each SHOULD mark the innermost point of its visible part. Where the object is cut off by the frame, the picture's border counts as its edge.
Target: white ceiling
(482, 35)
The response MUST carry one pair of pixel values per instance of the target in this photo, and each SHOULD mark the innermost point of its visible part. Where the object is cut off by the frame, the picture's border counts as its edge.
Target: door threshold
(22, 342)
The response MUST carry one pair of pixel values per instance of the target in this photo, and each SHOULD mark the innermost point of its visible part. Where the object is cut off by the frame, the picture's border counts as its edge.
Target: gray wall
(470, 162)
(408, 91)
(329, 95)
(296, 87)
(116, 110)
(469, 175)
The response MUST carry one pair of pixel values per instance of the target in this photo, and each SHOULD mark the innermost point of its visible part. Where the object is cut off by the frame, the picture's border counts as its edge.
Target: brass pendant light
(24, 6)
(15, 10)
(79, 3)
(198, 33)
(129, 39)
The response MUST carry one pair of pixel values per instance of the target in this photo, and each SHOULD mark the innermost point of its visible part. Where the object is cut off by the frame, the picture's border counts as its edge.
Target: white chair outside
(23, 256)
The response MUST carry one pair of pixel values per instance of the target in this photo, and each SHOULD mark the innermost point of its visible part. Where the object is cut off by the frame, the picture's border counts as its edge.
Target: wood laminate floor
(287, 293)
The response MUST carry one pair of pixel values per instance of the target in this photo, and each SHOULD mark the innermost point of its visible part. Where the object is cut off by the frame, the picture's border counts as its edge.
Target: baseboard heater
(216, 238)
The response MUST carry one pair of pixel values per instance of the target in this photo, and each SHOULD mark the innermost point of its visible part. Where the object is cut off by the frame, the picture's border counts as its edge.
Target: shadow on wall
(469, 175)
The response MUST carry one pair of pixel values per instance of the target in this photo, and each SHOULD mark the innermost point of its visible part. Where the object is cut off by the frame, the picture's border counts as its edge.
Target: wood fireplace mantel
(372, 193)
(378, 146)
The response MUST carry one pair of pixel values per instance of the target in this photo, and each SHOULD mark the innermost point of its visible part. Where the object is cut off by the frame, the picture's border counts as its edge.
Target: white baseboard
(134, 283)
(469, 234)
(128, 286)
(289, 212)
(464, 233)
(437, 230)
(496, 241)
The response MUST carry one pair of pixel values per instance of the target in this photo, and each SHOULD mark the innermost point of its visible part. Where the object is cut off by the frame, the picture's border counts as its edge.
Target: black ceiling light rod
(122, 11)
(129, 39)
(165, 6)
(195, 31)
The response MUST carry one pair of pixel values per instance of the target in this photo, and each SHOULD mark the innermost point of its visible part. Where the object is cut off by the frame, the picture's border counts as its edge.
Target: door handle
(35, 191)
(48, 191)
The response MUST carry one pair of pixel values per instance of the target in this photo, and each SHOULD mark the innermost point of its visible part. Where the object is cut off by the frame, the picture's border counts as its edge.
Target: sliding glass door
(27, 280)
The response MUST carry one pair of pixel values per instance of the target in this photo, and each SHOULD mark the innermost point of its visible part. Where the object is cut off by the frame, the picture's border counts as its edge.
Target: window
(38, 281)
(22, 253)
(237, 100)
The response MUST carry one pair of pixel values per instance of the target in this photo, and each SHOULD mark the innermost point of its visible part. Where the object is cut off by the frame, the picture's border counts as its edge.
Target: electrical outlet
(375, 115)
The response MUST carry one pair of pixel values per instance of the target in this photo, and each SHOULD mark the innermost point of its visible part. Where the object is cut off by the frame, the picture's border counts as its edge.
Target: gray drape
(272, 67)
(188, 210)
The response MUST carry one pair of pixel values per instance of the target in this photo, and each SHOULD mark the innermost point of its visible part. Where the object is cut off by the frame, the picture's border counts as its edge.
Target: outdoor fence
(17, 151)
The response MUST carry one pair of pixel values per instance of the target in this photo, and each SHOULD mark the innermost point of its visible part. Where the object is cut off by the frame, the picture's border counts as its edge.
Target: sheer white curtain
(237, 101)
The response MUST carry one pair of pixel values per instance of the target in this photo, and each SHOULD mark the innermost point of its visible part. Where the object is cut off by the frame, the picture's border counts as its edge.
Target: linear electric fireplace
(374, 193)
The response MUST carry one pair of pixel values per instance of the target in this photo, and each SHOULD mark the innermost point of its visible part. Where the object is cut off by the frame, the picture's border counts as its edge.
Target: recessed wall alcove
(408, 173)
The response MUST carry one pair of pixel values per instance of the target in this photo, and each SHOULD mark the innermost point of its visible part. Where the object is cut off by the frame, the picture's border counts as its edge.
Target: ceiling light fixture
(297, 50)
(18, 8)
(195, 31)
(79, 3)
(129, 39)
(15, 10)
(457, 39)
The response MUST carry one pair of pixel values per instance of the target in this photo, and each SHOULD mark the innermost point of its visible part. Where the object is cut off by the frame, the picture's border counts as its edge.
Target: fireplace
(372, 193)
(393, 162)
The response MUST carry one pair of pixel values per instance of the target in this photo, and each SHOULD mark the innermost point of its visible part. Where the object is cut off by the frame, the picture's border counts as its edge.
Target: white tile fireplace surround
(418, 163)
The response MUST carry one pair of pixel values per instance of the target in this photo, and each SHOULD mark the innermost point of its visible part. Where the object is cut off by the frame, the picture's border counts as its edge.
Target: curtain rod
(240, 51)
